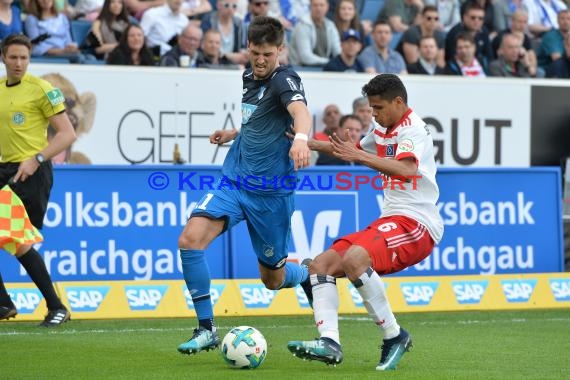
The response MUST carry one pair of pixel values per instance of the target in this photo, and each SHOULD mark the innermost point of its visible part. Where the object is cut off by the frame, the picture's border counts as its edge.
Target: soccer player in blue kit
(258, 175)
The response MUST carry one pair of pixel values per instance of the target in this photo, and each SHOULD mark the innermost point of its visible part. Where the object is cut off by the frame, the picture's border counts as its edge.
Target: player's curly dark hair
(386, 87)
(265, 29)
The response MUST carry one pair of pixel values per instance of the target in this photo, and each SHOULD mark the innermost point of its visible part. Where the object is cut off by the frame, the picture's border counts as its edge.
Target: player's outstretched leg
(393, 350)
(201, 340)
(324, 350)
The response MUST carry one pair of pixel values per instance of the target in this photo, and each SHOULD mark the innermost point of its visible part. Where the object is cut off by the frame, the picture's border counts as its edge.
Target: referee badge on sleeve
(55, 96)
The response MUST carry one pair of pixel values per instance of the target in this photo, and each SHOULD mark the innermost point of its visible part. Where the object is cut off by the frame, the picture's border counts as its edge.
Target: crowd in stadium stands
(501, 38)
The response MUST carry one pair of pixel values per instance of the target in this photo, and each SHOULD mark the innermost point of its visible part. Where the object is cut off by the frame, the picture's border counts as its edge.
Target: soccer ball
(244, 347)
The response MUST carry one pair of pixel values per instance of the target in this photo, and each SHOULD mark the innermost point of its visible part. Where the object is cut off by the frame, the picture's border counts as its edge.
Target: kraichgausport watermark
(340, 181)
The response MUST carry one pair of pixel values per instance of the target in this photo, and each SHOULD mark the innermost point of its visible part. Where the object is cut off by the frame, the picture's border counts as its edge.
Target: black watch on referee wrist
(40, 158)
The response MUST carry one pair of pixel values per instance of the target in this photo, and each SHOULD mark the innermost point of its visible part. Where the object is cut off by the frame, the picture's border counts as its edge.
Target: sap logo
(469, 292)
(25, 300)
(145, 297)
(301, 297)
(256, 295)
(518, 290)
(86, 298)
(418, 293)
(560, 288)
(216, 291)
(355, 296)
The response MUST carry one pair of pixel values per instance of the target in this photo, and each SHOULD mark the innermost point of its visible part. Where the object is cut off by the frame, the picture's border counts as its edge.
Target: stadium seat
(48, 59)
(79, 31)
(371, 9)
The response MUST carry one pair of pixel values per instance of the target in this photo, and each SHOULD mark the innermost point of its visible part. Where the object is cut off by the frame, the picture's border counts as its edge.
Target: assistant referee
(27, 106)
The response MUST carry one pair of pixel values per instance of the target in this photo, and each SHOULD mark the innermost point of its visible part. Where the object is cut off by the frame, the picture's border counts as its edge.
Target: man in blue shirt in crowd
(258, 179)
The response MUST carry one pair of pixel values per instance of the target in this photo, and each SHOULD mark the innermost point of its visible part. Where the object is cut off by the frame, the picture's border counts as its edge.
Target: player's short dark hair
(16, 39)
(386, 87)
(267, 30)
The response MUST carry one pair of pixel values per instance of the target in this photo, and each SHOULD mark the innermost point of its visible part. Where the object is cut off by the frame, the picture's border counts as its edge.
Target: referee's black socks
(36, 268)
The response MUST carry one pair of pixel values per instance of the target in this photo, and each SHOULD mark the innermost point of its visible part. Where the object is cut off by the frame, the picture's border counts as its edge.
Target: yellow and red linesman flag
(15, 226)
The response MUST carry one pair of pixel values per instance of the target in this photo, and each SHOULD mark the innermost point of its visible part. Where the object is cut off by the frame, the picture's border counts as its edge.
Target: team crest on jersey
(406, 145)
(55, 96)
(390, 150)
(18, 118)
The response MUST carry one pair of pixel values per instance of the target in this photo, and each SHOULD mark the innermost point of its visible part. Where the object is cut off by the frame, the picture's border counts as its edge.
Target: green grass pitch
(461, 345)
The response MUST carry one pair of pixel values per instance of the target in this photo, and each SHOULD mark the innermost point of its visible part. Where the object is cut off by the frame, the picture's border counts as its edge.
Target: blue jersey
(259, 156)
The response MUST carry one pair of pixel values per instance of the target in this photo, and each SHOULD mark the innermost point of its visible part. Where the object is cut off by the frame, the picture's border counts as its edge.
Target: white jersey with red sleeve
(414, 197)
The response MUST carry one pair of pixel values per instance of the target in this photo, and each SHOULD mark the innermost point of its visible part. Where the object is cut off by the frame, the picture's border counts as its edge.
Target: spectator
(543, 15)
(137, 7)
(465, 62)
(162, 24)
(362, 109)
(196, 9)
(472, 22)
(561, 67)
(448, 11)
(427, 63)
(315, 38)
(10, 19)
(400, 14)
(426, 28)
(254, 8)
(552, 43)
(188, 44)
(379, 57)
(88, 9)
(346, 60)
(518, 28)
(108, 28)
(331, 119)
(44, 20)
(489, 20)
(504, 11)
(230, 26)
(132, 49)
(350, 124)
(210, 54)
(293, 11)
(513, 60)
(346, 17)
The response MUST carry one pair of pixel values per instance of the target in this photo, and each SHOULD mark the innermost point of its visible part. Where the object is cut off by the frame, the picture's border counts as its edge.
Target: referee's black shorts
(34, 191)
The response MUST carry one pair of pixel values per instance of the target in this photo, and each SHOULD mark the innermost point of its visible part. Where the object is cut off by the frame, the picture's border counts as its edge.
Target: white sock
(373, 293)
(325, 307)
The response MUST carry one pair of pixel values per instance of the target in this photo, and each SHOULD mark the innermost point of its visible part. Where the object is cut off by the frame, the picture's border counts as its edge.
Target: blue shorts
(268, 220)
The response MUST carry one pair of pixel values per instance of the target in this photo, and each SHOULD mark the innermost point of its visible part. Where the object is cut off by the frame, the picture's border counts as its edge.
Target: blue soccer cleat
(324, 350)
(393, 350)
(202, 340)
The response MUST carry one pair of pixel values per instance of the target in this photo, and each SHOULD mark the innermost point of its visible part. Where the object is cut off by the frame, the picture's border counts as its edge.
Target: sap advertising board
(122, 223)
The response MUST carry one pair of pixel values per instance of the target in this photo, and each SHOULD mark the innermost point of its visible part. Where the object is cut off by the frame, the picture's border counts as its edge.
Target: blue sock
(197, 277)
(294, 275)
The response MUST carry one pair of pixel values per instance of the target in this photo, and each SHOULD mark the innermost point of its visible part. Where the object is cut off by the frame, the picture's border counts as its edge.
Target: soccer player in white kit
(401, 149)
